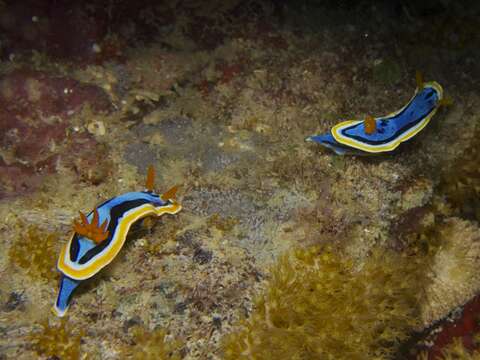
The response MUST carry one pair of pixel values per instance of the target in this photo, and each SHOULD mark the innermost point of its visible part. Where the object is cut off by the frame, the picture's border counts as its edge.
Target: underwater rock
(454, 268)
(456, 333)
(175, 130)
(34, 110)
(140, 155)
(245, 189)
(88, 158)
(15, 301)
(416, 193)
(26, 92)
(156, 72)
(202, 256)
(387, 72)
(167, 140)
(134, 321)
(58, 29)
(460, 183)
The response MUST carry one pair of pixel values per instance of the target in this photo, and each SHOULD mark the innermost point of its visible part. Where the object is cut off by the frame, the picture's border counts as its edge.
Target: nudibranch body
(383, 134)
(94, 246)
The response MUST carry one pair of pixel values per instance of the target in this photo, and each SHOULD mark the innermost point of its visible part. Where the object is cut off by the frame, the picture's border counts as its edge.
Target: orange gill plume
(150, 183)
(91, 230)
(370, 125)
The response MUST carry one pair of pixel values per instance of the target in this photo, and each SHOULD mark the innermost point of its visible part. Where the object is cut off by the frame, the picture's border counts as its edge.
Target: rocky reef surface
(276, 235)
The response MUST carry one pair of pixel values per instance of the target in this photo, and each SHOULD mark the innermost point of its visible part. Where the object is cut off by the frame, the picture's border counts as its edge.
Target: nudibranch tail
(67, 287)
(150, 182)
(91, 230)
(328, 141)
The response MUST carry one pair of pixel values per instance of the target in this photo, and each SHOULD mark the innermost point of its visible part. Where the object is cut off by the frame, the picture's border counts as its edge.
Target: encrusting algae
(320, 304)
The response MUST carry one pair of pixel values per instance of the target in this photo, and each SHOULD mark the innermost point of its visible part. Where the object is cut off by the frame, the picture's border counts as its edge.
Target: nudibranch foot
(67, 287)
(100, 235)
(386, 133)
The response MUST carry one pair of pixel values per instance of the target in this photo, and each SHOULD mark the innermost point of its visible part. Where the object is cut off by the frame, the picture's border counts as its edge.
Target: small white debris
(96, 128)
(96, 48)
(34, 18)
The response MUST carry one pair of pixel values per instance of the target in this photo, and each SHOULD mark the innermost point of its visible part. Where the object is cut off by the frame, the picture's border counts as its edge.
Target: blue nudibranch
(383, 134)
(94, 246)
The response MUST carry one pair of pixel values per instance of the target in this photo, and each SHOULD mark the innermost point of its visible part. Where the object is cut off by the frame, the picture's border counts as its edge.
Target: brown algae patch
(57, 340)
(34, 251)
(320, 303)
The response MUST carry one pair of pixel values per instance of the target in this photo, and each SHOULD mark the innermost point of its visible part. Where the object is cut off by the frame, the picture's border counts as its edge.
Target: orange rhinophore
(170, 194)
(419, 79)
(150, 183)
(91, 230)
(370, 125)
